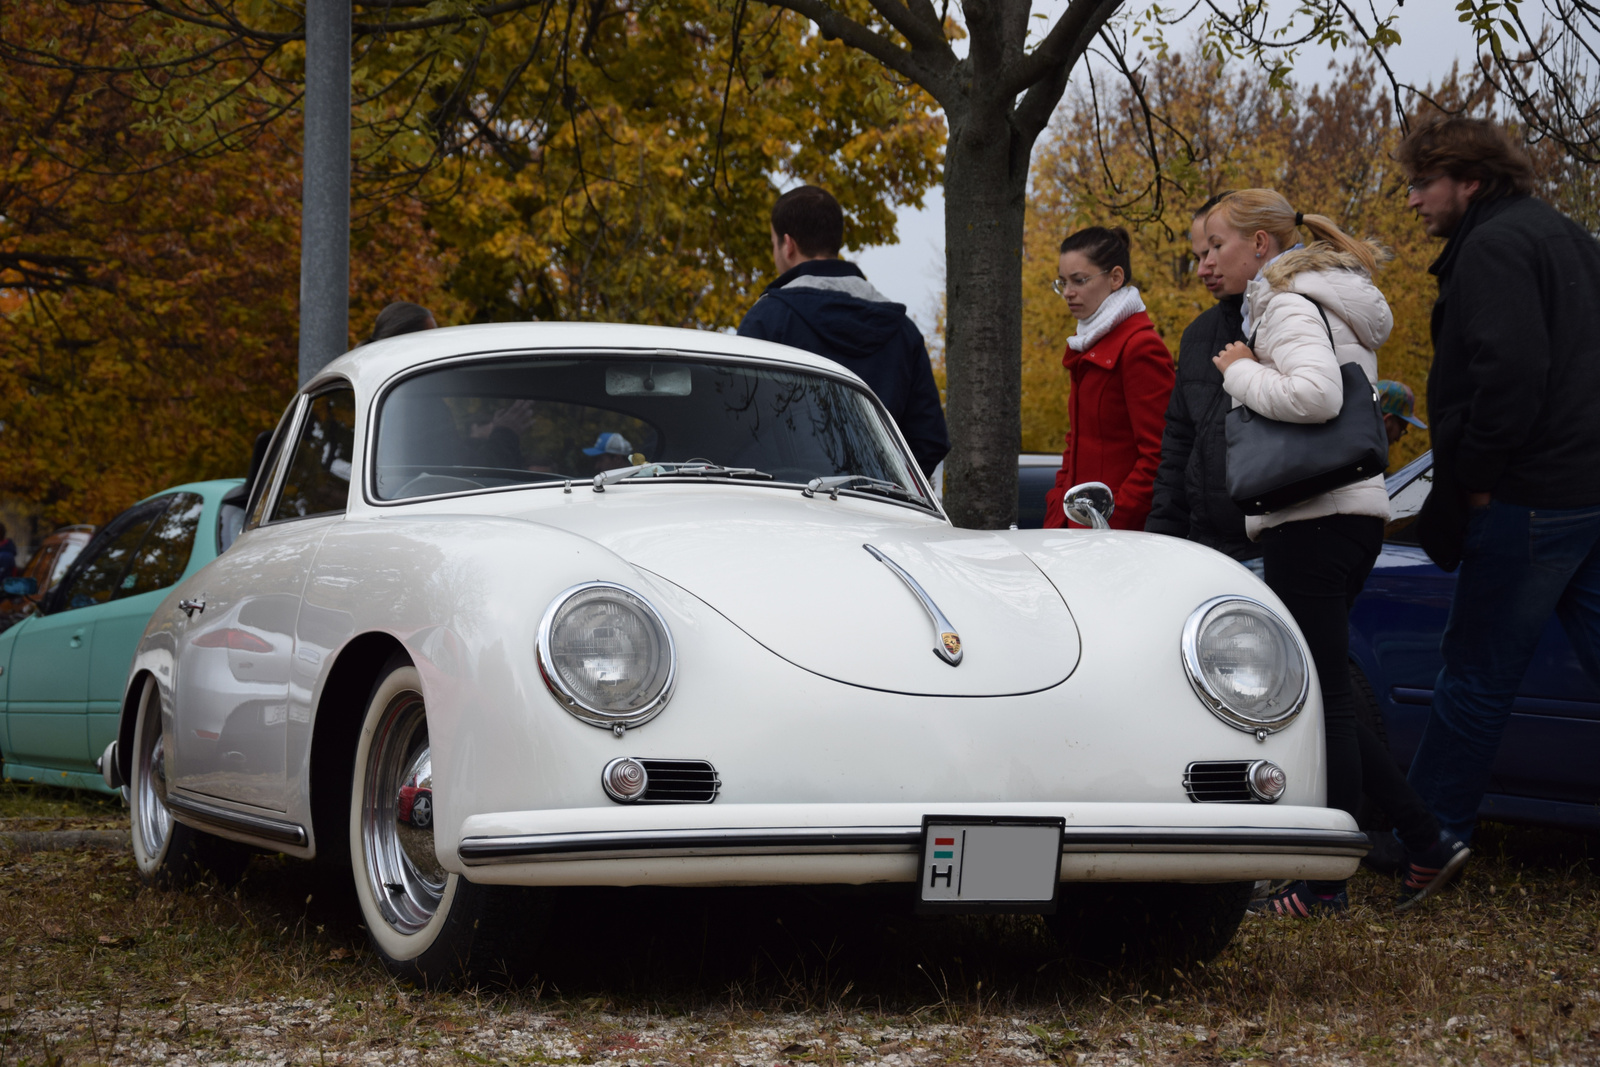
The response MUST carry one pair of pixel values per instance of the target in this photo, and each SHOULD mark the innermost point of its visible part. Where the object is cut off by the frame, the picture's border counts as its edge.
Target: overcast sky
(912, 271)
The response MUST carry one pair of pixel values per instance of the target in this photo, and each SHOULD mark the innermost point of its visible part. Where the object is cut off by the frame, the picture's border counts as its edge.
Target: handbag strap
(1326, 325)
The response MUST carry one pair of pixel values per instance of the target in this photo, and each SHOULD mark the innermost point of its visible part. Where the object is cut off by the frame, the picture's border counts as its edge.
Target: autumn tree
(148, 324)
(995, 74)
(648, 201)
(149, 263)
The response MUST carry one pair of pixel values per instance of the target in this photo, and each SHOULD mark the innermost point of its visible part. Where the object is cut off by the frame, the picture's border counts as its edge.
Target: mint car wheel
(168, 853)
(427, 924)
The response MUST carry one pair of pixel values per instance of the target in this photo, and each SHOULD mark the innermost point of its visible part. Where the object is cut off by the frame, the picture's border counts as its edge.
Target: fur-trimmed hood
(1336, 280)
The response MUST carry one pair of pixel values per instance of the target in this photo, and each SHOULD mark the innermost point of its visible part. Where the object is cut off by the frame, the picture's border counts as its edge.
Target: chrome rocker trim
(280, 830)
(859, 840)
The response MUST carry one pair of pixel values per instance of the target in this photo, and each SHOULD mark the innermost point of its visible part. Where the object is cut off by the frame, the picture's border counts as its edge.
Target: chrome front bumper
(799, 844)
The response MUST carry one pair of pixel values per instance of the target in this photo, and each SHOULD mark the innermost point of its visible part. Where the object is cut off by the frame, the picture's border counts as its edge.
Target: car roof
(372, 364)
(215, 488)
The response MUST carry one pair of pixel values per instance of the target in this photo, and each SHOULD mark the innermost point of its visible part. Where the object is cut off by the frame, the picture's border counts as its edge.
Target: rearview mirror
(1089, 504)
(20, 586)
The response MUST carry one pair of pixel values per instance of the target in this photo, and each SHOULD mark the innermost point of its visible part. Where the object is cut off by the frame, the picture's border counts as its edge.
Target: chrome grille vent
(679, 781)
(1219, 782)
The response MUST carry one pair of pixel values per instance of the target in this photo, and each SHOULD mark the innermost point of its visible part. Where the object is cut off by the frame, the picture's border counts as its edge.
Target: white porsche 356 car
(568, 605)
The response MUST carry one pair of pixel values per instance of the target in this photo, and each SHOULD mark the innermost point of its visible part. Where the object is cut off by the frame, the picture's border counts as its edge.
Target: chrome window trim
(263, 496)
(281, 469)
(1213, 700)
(567, 699)
(369, 464)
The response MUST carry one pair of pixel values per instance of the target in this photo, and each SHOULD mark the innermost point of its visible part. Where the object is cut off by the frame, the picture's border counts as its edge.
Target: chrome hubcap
(402, 870)
(154, 822)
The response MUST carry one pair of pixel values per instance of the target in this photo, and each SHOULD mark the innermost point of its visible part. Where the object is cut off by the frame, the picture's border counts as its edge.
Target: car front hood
(794, 574)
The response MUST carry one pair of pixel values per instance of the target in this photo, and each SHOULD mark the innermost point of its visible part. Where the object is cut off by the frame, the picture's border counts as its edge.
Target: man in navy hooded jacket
(824, 305)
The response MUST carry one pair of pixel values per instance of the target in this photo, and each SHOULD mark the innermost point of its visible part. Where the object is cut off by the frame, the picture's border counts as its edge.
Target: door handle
(189, 607)
(77, 639)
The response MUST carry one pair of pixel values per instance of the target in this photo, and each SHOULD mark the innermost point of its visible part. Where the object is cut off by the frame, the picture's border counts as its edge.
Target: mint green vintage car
(63, 669)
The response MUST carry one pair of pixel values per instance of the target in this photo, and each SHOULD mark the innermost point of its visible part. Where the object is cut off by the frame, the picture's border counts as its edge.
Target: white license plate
(976, 865)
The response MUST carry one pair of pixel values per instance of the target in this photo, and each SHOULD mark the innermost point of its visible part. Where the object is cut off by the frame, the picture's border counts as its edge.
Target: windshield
(524, 422)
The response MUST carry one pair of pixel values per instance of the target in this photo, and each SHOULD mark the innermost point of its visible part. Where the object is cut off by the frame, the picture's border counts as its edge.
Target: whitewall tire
(427, 925)
(168, 853)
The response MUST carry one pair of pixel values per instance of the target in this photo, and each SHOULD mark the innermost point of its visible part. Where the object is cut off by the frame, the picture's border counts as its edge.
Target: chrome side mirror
(1089, 504)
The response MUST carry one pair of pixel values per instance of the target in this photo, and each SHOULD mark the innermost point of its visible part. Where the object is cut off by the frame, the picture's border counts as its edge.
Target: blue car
(64, 669)
(1547, 771)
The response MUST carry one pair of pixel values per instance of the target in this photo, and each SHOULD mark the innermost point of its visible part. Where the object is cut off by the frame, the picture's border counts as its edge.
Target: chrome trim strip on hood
(947, 642)
(859, 840)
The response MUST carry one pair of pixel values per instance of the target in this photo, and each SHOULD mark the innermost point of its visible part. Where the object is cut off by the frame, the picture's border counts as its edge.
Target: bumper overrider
(777, 844)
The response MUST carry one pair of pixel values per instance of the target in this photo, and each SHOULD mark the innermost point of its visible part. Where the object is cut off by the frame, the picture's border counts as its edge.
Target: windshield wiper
(675, 470)
(860, 483)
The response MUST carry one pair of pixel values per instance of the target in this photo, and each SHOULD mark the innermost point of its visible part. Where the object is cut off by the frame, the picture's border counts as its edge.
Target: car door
(235, 666)
(52, 655)
(160, 562)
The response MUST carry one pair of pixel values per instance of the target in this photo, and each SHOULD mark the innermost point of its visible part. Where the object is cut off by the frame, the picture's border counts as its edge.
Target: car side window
(317, 481)
(164, 555)
(98, 572)
(1404, 507)
(63, 563)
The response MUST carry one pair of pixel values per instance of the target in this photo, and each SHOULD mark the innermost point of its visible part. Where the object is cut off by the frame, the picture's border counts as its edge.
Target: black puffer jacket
(1191, 497)
(826, 306)
(1515, 382)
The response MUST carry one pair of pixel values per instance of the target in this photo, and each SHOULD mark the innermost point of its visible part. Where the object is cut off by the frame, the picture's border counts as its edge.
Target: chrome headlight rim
(1213, 700)
(574, 704)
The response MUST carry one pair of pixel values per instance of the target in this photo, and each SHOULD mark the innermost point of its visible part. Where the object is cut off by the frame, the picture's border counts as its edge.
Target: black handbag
(1274, 464)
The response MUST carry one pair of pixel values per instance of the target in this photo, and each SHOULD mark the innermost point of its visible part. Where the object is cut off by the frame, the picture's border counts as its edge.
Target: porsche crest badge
(952, 644)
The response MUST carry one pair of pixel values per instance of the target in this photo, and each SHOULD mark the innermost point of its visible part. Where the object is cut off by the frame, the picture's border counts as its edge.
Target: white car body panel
(806, 674)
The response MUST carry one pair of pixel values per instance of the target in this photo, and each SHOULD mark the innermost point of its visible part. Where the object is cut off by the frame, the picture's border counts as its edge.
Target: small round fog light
(1266, 780)
(625, 780)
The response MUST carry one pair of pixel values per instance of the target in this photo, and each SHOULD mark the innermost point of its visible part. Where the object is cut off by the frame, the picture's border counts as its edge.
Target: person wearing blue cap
(610, 451)
(1398, 403)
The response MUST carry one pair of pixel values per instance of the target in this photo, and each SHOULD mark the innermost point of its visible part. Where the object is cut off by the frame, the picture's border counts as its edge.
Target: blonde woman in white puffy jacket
(1318, 553)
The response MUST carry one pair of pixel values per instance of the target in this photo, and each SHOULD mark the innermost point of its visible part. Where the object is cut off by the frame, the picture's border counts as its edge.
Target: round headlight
(607, 655)
(1245, 664)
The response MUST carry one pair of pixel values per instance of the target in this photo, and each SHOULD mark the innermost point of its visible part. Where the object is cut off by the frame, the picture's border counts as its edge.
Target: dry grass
(96, 968)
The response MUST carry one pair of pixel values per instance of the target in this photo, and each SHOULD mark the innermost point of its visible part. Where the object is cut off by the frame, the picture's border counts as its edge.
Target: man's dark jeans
(1520, 564)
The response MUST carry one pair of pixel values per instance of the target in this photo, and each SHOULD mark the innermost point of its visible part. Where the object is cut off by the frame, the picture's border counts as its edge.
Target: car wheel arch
(336, 722)
(127, 720)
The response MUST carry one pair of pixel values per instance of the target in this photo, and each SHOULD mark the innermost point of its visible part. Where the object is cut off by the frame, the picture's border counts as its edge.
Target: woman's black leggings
(1317, 567)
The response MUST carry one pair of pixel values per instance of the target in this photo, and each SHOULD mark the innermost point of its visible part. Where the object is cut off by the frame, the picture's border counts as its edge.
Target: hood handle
(947, 644)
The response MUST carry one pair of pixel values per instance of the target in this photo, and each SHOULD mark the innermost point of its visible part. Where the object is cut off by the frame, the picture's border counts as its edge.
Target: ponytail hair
(1105, 248)
(1252, 210)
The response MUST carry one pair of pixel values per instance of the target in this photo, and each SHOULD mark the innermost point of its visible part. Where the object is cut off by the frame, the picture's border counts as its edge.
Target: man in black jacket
(824, 305)
(1191, 493)
(1513, 398)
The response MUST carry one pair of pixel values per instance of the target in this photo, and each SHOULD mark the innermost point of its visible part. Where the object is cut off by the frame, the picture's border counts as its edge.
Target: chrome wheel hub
(402, 870)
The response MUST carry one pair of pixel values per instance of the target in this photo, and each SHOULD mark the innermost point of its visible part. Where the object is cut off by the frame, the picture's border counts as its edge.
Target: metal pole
(325, 188)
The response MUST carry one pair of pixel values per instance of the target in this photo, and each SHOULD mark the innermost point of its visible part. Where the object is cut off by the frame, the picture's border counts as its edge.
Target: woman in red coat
(1121, 377)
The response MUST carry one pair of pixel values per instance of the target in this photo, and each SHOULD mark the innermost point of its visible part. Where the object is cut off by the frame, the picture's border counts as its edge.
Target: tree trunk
(985, 185)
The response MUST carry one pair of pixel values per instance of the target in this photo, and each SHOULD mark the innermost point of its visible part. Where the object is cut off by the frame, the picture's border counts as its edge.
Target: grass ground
(95, 968)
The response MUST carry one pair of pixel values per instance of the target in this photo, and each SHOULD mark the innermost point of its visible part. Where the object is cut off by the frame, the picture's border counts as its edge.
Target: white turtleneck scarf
(1107, 317)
